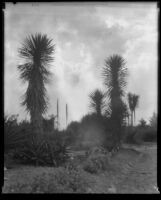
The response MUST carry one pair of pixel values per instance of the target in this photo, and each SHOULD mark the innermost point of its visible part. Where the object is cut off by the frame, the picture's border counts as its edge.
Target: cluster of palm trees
(114, 75)
(133, 101)
(98, 105)
(111, 101)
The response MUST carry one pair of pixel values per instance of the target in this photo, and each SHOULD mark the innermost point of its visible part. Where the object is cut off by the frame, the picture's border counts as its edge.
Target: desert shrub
(97, 163)
(148, 134)
(92, 130)
(140, 134)
(109, 143)
(46, 150)
(132, 136)
(15, 134)
(60, 180)
(49, 124)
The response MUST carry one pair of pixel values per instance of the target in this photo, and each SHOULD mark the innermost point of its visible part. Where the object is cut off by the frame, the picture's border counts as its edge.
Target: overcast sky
(84, 34)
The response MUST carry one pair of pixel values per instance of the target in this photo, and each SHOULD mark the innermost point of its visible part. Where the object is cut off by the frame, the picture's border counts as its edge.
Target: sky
(84, 34)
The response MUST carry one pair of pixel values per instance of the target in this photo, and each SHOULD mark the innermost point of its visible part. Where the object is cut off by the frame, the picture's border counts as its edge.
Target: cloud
(84, 37)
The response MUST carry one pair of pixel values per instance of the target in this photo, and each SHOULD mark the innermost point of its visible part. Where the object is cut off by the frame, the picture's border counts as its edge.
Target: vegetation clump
(97, 163)
(59, 180)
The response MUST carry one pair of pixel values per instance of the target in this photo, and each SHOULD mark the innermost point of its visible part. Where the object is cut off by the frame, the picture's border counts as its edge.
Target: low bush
(138, 135)
(15, 135)
(148, 134)
(97, 163)
(42, 151)
(60, 180)
(131, 136)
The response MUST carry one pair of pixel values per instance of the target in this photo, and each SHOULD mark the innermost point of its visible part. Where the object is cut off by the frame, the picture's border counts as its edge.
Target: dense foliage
(58, 180)
(15, 134)
(140, 134)
(44, 150)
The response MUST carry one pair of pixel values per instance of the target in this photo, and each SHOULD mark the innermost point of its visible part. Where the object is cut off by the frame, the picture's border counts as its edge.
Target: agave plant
(43, 151)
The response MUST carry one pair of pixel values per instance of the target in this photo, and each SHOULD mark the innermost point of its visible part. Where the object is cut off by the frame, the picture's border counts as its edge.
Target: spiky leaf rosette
(37, 51)
(114, 74)
(97, 103)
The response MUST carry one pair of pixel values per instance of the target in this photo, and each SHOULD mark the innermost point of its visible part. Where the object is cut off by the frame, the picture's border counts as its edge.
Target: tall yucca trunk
(134, 117)
(36, 122)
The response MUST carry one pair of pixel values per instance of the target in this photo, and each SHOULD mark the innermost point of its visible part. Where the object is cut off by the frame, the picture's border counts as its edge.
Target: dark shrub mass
(46, 150)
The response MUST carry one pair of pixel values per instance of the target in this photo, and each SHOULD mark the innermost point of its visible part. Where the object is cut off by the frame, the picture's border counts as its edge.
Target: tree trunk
(134, 117)
(36, 122)
(131, 118)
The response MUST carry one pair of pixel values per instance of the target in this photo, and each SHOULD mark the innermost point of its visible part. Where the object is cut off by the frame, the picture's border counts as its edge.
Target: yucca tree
(37, 51)
(97, 103)
(115, 75)
(133, 101)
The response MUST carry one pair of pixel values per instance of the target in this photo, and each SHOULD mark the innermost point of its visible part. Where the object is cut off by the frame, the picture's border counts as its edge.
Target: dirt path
(142, 176)
(136, 172)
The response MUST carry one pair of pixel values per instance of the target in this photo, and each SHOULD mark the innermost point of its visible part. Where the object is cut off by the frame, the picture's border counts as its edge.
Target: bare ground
(136, 172)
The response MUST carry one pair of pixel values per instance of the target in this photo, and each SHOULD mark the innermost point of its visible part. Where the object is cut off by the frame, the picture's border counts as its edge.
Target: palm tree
(37, 52)
(97, 101)
(133, 101)
(114, 74)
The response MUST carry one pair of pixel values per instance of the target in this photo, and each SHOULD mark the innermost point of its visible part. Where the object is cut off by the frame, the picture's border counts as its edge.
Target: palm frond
(133, 101)
(114, 74)
(37, 51)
